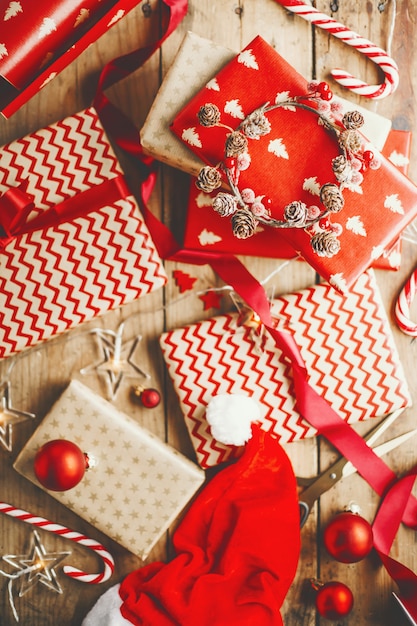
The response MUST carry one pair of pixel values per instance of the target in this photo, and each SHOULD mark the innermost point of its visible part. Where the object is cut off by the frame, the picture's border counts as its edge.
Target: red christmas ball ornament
(334, 600)
(60, 465)
(348, 537)
(150, 397)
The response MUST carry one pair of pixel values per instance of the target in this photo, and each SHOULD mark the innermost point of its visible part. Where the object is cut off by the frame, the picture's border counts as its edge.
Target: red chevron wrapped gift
(345, 340)
(40, 38)
(295, 165)
(74, 242)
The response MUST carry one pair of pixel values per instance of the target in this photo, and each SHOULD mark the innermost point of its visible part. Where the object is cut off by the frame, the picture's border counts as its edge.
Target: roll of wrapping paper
(34, 34)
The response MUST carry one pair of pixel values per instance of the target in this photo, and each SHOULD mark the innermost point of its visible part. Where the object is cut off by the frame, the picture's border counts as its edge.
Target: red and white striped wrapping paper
(347, 345)
(58, 277)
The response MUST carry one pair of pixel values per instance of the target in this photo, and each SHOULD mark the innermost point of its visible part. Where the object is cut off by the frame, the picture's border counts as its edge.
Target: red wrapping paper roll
(33, 34)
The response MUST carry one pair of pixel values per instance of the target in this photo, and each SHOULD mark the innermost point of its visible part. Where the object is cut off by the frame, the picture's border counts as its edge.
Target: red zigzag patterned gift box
(346, 343)
(56, 277)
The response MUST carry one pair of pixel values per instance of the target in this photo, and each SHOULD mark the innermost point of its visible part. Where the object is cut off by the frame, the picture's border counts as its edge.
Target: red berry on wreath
(348, 537)
(230, 162)
(334, 600)
(368, 156)
(60, 465)
(323, 87)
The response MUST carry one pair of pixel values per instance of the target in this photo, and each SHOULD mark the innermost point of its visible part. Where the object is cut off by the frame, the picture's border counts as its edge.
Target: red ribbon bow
(16, 205)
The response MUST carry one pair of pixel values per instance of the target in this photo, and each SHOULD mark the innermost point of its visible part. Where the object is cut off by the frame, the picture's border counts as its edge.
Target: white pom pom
(230, 417)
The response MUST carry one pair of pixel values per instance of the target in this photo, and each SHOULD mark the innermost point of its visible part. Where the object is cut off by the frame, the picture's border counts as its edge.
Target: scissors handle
(304, 513)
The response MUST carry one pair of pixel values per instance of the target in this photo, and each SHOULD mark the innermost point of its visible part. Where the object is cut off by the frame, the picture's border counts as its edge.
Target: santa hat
(237, 551)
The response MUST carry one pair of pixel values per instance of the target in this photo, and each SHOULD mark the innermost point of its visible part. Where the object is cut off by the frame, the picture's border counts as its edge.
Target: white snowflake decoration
(283, 96)
(213, 85)
(233, 108)
(376, 252)
(338, 281)
(394, 204)
(277, 147)
(191, 136)
(207, 237)
(248, 59)
(312, 185)
(12, 10)
(203, 199)
(399, 159)
(355, 225)
(47, 27)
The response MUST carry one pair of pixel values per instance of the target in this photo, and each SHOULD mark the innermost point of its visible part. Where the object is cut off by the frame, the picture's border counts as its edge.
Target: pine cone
(209, 179)
(341, 168)
(243, 224)
(331, 197)
(350, 140)
(224, 204)
(325, 244)
(256, 125)
(236, 143)
(209, 115)
(295, 214)
(353, 120)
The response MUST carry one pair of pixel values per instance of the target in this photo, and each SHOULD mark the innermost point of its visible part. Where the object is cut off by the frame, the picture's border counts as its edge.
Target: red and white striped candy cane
(402, 306)
(364, 46)
(57, 529)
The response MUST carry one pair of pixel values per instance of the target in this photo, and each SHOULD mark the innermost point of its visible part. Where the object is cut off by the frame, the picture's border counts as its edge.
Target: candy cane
(366, 47)
(72, 572)
(402, 306)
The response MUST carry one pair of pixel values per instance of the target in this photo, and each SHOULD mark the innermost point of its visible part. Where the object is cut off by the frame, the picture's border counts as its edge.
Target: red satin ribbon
(311, 406)
(16, 204)
(385, 527)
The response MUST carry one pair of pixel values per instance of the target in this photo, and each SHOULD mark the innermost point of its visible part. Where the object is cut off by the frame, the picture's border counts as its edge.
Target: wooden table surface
(39, 377)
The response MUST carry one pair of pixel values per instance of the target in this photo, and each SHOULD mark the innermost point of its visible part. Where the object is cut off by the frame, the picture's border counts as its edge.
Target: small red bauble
(334, 600)
(348, 537)
(59, 465)
(150, 397)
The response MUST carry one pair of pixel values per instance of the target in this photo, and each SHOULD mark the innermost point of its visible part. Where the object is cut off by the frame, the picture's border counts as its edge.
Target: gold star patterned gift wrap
(139, 485)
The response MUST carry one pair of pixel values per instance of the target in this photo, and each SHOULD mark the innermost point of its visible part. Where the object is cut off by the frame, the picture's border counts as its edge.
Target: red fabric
(237, 549)
(385, 527)
(285, 158)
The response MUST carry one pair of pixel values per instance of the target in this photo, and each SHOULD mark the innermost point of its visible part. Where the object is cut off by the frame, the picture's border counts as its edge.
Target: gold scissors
(313, 488)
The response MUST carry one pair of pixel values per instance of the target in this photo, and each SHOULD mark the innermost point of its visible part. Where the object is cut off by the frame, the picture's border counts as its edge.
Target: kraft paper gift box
(55, 277)
(288, 164)
(205, 230)
(138, 485)
(39, 39)
(197, 61)
(345, 341)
